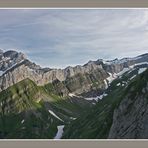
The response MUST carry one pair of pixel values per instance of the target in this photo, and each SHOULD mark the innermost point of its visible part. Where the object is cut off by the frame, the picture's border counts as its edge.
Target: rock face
(14, 67)
(130, 119)
(70, 75)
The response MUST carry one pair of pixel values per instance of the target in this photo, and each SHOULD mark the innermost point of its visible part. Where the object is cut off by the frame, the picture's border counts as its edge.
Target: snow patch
(116, 75)
(118, 84)
(142, 63)
(137, 64)
(52, 113)
(97, 98)
(111, 77)
(92, 98)
(141, 70)
(22, 121)
(132, 77)
(72, 95)
(122, 71)
(102, 96)
(73, 118)
(106, 84)
(2, 72)
(60, 132)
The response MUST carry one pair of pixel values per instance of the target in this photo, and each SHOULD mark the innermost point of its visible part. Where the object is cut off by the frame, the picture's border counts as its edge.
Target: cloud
(62, 37)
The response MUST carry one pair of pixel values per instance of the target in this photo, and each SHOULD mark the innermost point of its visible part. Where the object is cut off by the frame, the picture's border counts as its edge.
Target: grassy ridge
(24, 110)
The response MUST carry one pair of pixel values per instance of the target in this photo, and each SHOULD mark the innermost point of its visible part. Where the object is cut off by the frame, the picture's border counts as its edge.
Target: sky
(58, 38)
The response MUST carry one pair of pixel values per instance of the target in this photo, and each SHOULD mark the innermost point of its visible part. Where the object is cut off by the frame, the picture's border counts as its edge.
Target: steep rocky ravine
(121, 114)
(131, 117)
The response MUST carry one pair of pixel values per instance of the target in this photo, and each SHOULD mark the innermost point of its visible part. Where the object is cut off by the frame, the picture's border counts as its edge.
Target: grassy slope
(26, 101)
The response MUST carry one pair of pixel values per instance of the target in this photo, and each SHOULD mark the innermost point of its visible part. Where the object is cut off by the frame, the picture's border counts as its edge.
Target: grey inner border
(74, 3)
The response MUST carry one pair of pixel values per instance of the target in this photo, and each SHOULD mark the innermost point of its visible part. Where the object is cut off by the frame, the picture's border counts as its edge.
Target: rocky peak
(10, 58)
(10, 53)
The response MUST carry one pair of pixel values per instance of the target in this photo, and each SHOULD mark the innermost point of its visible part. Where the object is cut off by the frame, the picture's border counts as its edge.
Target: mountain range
(98, 100)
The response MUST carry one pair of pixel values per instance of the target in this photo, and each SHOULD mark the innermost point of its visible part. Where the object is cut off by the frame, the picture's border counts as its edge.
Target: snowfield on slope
(2, 72)
(92, 98)
(141, 70)
(133, 77)
(59, 132)
(96, 98)
(111, 77)
(52, 113)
